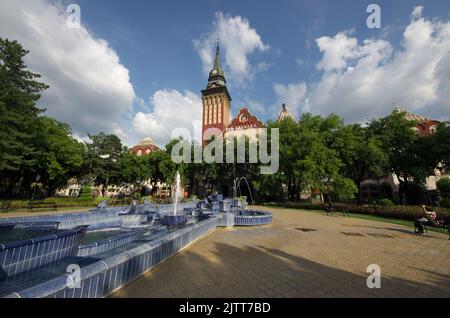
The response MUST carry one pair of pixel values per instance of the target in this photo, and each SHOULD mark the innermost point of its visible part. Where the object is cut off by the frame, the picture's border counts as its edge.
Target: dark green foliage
(385, 202)
(103, 158)
(86, 193)
(443, 185)
(19, 92)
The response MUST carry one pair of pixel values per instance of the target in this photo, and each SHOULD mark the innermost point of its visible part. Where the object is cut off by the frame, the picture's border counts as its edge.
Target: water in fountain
(249, 190)
(177, 192)
(236, 188)
(175, 220)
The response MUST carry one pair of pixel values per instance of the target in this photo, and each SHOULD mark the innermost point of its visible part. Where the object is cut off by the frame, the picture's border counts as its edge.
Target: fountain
(237, 185)
(177, 192)
(242, 216)
(175, 220)
(108, 240)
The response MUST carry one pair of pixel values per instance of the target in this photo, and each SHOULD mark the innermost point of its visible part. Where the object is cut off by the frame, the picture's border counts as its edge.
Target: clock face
(244, 118)
(214, 72)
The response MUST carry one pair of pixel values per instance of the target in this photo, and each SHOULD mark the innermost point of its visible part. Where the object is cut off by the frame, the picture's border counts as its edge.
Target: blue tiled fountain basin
(252, 217)
(174, 220)
(36, 249)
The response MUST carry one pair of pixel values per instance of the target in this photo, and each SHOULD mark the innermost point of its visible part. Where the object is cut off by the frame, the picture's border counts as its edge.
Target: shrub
(86, 194)
(385, 202)
(443, 185)
(397, 212)
(60, 202)
(445, 203)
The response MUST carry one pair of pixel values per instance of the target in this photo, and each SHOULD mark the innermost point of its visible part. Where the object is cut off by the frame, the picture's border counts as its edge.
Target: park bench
(442, 226)
(330, 209)
(33, 205)
(5, 206)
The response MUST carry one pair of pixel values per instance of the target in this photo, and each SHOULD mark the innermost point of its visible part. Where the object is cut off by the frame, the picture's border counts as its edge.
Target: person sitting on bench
(432, 216)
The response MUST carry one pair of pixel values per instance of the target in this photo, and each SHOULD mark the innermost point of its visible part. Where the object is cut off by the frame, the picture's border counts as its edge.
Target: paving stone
(280, 261)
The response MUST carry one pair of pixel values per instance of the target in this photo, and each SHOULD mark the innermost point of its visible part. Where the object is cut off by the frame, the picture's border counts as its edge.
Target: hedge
(60, 202)
(398, 212)
(83, 202)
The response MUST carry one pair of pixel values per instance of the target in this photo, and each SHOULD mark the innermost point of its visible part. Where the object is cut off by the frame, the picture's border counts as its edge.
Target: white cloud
(336, 51)
(361, 80)
(171, 109)
(293, 95)
(89, 88)
(238, 40)
(417, 12)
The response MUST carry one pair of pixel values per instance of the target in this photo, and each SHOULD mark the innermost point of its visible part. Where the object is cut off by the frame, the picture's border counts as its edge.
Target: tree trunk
(401, 191)
(359, 194)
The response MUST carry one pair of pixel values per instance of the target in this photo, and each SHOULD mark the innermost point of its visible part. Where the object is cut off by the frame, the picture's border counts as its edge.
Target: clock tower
(216, 99)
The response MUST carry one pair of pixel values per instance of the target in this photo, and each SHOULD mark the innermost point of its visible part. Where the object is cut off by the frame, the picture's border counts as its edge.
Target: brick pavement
(282, 261)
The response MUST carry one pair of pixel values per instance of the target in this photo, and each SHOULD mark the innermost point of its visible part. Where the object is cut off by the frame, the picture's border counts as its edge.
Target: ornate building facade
(245, 124)
(216, 100)
(285, 114)
(145, 147)
(216, 108)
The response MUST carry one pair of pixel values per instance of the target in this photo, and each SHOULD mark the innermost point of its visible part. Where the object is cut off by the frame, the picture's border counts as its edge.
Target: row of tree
(316, 153)
(39, 152)
(324, 153)
(327, 156)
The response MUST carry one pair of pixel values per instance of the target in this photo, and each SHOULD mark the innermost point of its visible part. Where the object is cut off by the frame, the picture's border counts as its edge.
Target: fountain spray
(177, 192)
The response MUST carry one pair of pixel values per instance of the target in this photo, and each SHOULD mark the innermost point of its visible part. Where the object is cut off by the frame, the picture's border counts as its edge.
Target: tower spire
(217, 75)
(217, 59)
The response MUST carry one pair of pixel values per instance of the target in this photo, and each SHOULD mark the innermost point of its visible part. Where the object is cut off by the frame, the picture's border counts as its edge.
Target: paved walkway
(281, 260)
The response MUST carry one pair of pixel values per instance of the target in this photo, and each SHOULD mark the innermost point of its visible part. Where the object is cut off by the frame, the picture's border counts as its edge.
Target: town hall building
(216, 109)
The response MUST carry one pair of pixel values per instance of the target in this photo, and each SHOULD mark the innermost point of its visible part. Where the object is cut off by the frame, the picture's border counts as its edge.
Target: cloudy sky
(136, 68)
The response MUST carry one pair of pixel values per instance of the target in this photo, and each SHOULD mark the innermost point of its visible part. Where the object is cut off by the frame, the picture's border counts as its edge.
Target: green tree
(362, 155)
(405, 149)
(309, 158)
(133, 169)
(61, 156)
(19, 92)
(440, 142)
(86, 193)
(160, 168)
(291, 153)
(443, 186)
(103, 158)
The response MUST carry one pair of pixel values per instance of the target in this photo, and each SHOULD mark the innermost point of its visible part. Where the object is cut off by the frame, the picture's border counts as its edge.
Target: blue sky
(154, 39)
(273, 56)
